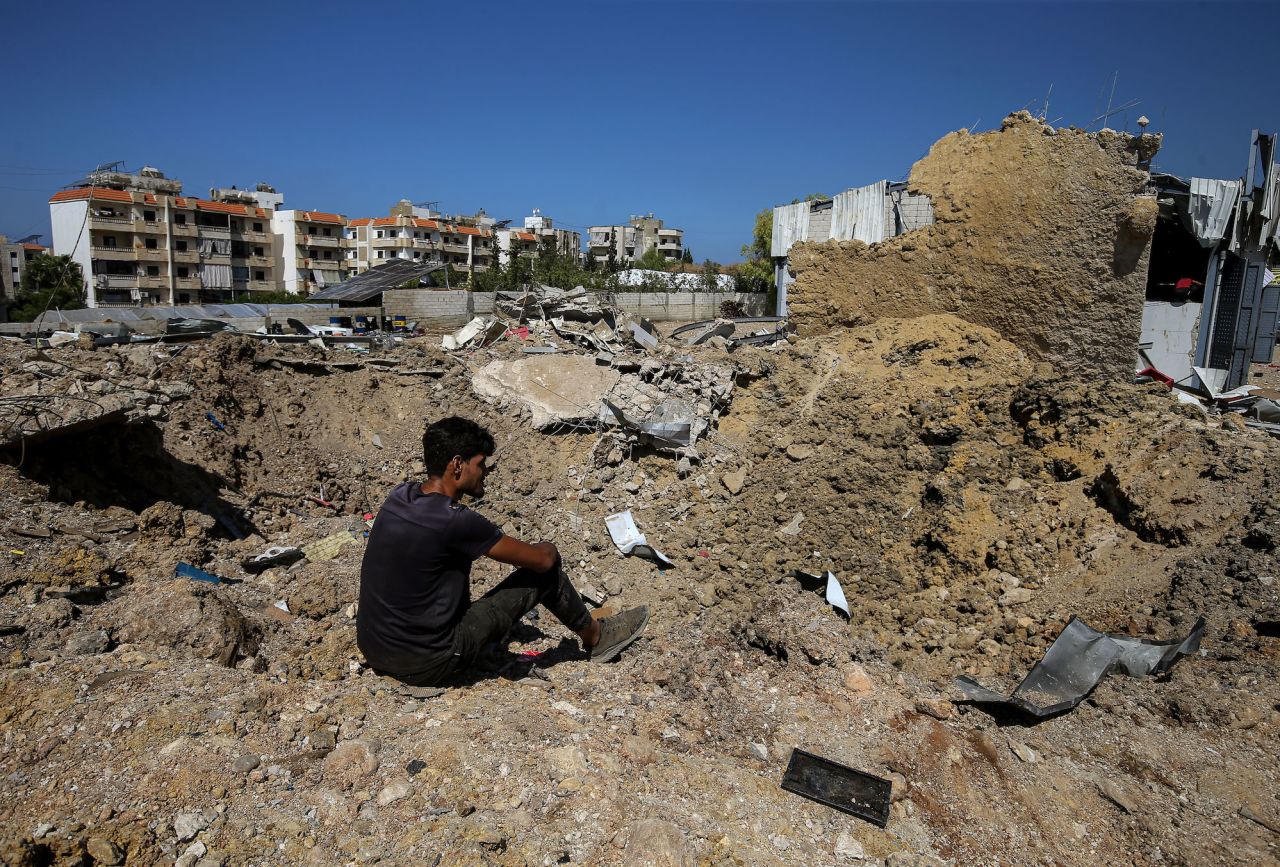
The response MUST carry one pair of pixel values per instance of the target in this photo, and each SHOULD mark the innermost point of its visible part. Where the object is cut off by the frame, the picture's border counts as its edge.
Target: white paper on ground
(627, 536)
(835, 594)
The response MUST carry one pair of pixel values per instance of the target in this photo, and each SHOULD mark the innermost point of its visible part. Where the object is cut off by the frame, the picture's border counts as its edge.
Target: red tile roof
(526, 236)
(149, 198)
(320, 217)
(470, 230)
(420, 223)
(363, 221)
(34, 247)
(87, 192)
(384, 221)
(221, 207)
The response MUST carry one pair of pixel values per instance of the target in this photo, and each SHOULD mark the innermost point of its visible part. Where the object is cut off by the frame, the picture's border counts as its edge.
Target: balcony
(119, 303)
(183, 230)
(112, 222)
(252, 236)
(187, 283)
(114, 253)
(319, 241)
(186, 256)
(391, 242)
(157, 282)
(149, 226)
(260, 261)
(262, 286)
(214, 231)
(117, 281)
(456, 248)
(152, 254)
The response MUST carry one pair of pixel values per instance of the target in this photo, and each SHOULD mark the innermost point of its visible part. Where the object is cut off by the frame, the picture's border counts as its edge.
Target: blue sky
(701, 112)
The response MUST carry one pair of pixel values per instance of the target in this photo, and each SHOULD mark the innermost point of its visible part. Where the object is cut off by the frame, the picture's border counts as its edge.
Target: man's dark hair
(453, 436)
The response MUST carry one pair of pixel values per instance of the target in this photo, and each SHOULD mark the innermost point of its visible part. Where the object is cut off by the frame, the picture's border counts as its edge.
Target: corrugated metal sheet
(1210, 208)
(375, 281)
(790, 225)
(206, 311)
(859, 214)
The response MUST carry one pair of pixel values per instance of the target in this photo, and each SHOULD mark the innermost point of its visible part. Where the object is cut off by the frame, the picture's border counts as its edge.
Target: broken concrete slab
(555, 389)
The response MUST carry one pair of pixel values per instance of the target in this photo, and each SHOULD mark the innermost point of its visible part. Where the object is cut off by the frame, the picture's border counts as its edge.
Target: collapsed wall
(1041, 234)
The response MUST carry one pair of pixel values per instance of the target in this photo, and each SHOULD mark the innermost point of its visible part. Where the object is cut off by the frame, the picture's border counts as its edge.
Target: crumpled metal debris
(1079, 658)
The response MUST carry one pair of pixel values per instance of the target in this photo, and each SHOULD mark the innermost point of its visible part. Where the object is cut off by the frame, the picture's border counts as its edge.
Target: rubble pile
(968, 499)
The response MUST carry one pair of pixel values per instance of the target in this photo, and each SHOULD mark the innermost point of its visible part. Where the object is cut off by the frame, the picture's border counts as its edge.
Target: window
(417, 254)
(153, 270)
(180, 219)
(260, 275)
(257, 227)
(257, 251)
(327, 232)
(237, 225)
(378, 233)
(382, 254)
(183, 272)
(180, 246)
(150, 243)
(149, 216)
(328, 254)
(108, 240)
(184, 297)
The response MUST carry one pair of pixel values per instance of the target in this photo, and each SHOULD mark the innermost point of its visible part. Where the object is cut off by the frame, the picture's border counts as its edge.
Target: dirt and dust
(1042, 234)
(969, 498)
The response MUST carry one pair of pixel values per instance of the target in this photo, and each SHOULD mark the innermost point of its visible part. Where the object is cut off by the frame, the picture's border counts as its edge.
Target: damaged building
(1211, 299)
(1060, 240)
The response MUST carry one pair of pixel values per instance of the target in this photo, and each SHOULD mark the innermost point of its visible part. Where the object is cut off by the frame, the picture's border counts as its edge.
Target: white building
(633, 240)
(139, 241)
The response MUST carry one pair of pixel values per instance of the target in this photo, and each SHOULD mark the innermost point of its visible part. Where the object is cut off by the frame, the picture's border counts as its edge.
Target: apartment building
(630, 242)
(14, 256)
(468, 243)
(140, 241)
(538, 230)
(309, 251)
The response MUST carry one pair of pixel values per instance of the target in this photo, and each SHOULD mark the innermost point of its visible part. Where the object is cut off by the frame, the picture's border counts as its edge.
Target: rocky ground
(969, 500)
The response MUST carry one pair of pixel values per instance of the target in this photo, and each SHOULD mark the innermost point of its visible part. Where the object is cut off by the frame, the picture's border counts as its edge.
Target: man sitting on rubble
(416, 620)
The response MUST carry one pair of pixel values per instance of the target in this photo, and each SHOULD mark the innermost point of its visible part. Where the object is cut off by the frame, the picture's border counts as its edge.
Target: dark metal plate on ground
(841, 788)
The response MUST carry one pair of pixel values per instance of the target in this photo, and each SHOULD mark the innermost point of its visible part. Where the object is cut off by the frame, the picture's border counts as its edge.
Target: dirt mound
(1041, 234)
(969, 499)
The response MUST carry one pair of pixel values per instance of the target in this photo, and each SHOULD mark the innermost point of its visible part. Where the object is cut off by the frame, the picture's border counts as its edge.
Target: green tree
(48, 283)
(687, 256)
(710, 276)
(652, 260)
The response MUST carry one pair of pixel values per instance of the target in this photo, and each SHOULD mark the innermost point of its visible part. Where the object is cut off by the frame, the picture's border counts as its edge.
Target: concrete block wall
(443, 308)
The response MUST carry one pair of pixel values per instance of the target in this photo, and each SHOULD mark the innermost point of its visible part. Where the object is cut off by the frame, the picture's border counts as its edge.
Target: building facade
(412, 232)
(14, 256)
(630, 242)
(309, 253)
(139, 241)
(539, 231)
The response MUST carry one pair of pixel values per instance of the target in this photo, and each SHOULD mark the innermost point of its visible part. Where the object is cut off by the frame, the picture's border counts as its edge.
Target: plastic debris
(186, 570)
(839, 787)
(1079, 658)
(328, 547)
(277, 555)
(213, 420)
(627, 536)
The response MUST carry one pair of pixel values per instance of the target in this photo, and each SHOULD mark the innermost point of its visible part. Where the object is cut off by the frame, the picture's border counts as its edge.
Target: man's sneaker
(618, 631)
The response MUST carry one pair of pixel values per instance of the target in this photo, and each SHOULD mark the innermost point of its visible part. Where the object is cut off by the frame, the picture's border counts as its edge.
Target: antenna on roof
(110, 167)
(434, 205)
(29, 239)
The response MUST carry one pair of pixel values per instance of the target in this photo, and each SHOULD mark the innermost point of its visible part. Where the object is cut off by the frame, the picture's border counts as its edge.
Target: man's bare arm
(540, 557)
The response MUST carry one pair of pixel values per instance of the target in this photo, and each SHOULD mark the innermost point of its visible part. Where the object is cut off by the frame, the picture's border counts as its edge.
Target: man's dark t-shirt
(415, 581)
